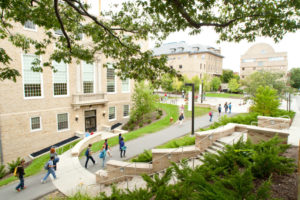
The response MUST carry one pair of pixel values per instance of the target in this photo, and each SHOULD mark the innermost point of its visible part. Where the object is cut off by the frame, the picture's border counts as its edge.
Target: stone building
(42, 109)
(192, 60)
(260, 57)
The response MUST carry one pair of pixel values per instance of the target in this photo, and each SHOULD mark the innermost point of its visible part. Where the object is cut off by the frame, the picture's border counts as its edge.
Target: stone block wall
(274, 122)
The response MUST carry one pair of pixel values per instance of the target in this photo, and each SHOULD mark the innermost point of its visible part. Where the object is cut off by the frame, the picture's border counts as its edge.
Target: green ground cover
(37, 165)
(224, 95)
(198, 111)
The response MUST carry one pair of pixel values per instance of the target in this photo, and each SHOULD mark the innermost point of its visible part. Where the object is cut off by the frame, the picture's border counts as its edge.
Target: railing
(126, 177)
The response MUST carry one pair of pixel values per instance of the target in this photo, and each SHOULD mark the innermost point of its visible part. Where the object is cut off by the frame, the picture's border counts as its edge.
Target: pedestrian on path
(122, 148)
(210, 116)
(229, 106)
(106, 147)
(88, 154)
(102, 156)
(56, 158)
(50, 167)
(182, 108)
(20, 174)
(226, 107)
(180, 118)
(220, 109)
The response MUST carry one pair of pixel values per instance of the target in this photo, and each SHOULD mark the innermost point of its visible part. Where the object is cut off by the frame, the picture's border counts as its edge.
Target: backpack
(46, 166)
(102, 154)
(16, 172)
(87, 152)
(210, 114)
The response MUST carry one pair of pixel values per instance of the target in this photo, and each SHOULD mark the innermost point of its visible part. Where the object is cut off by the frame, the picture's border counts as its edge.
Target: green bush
(149, 121)
(158, 116)
(13, 164)
(141, 124)
(2, 171)
(125, 127)
(131, 127)
(160, 112)
(146, 156)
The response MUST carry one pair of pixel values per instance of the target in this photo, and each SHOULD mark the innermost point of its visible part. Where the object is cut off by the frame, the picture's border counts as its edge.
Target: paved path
(149, 141)
(294, 136)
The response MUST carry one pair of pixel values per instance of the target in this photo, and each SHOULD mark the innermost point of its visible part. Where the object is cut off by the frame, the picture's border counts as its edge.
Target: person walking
(210, 116)
(50, 169)
(229, 106)
(226, 107)
(182, 108)
(180, 118)
(102, 156)
(122, 148)
(20, 174)
(88, 154)
(56, 158)
(106, 147)
(219, 109)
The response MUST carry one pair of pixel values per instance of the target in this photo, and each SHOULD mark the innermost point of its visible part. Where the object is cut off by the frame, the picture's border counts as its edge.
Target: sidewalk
(294, 136)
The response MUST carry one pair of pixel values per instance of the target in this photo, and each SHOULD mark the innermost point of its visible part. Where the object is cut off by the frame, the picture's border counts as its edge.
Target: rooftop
(183, 47)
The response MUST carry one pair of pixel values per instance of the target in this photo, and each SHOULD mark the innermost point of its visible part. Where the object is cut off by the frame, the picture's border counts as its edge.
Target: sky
(231, 51)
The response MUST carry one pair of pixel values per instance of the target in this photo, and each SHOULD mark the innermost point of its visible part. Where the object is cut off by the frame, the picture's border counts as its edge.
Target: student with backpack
(88, 154)
(122, 148)
(107, 148)
(56, 158)
(219, 109)
(49, 166)
(19, 172)
(102, 156)
(210, 116)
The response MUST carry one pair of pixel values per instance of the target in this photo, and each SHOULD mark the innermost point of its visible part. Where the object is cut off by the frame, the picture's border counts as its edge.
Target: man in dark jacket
(21, 173)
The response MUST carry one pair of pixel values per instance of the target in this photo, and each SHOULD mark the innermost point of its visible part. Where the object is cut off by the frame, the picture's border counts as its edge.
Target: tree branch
(62, 25)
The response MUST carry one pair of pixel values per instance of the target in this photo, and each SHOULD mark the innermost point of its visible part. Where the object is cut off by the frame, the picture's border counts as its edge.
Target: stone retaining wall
(80, 146)
(274, 122)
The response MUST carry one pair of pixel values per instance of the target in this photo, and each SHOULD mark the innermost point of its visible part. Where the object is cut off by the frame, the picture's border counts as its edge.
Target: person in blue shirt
(20, 172)
(50, 168)
(229, 106)
(88, 154)
(122, 148)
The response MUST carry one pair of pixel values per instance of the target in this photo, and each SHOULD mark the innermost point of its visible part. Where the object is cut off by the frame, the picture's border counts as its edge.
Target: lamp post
(193, 103)
(202, 91)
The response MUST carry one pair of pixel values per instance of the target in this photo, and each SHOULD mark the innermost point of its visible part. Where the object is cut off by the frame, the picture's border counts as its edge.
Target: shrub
(125, 127)
(141, 124)
(13, 164)
(158, 116)
(2, 171)
(131, 127)
(146, 156)
(160, 112)
(149, 121)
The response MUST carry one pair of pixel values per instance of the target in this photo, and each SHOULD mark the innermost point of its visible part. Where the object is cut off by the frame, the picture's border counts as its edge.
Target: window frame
(68, 91)
(94, 79)
(128, 111)
(115, 113)
(41, 74)
(30, 29)
(30, 123)
(68, 117)
(115, 82)
(128, 91)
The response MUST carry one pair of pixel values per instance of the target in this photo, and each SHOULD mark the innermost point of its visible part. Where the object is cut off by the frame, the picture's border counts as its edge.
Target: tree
(266, 101)
(134, 21)
(215, 83)
(295, 78)
(177, 84)
(227, 74)
(144, 101)
(233, 85)
(264, 78)
(166, 83)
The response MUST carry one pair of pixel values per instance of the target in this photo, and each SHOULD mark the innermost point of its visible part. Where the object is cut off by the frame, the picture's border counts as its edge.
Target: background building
(263, 57)
(192, 60)
(42, 109)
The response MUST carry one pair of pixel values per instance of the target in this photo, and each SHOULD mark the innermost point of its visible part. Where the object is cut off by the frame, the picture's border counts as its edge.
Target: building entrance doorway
(90, 121)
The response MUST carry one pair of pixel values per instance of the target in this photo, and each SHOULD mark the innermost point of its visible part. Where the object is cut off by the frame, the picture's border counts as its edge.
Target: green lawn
(37, 165)
(224, 95)
(198, 111)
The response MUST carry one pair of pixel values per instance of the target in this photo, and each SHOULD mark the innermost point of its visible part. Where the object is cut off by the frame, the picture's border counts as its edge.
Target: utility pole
(193, 104)
(202, 91)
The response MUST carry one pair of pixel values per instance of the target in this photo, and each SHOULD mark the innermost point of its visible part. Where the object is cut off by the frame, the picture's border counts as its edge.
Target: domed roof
(260, 48)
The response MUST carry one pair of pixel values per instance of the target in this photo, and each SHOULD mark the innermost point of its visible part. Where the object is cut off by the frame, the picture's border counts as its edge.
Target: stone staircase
(135, 182)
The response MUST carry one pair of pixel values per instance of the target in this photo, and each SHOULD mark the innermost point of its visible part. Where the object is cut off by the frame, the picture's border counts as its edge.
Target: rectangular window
(60, 79)
(32, 80)
(276, 58)
(260, 63)
(203, 57)
(125, 110)
(35, 123)
(201, 66)
(88, 77)
(125, 85)
(62, 121)
(111, 79)
(29, 25)
(248, 60)
(112, 113)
